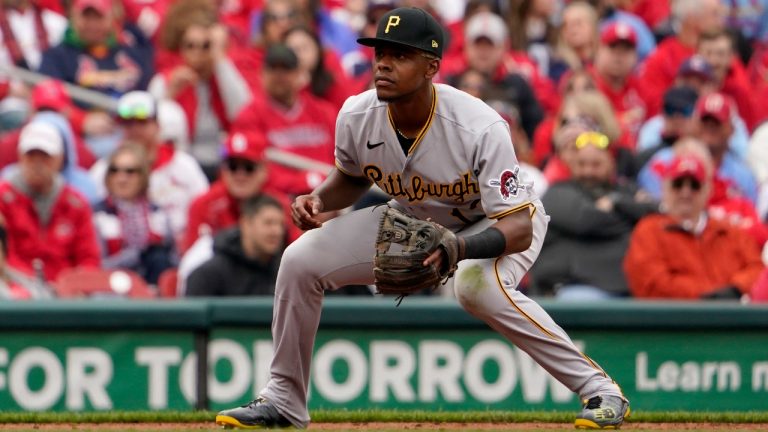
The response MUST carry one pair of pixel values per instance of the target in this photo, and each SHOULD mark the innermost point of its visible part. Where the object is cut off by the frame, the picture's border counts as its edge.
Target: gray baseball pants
(341, 253)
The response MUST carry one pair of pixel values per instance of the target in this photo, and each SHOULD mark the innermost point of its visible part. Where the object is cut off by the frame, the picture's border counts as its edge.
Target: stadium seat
(88, 282)
(166, 283)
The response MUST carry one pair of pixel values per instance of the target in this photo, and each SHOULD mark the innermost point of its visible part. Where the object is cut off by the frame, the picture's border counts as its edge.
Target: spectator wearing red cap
(93, 56)
(135, 233)
(730, 77)
(712, 126)
(292, 121)
(683, 253)
(26, 31)
(694, 17)
(244, 174)
(206, 83)
(49, 224)
(613, 73)
(175, 178)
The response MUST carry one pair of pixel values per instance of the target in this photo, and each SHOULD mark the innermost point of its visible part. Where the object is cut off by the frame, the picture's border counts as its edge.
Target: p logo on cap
(393, 21)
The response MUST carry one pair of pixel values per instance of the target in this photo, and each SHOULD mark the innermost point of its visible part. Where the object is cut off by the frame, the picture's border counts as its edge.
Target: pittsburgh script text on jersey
(418, 189)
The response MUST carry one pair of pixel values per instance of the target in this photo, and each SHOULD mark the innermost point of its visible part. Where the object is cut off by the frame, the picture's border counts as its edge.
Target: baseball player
(440, 154)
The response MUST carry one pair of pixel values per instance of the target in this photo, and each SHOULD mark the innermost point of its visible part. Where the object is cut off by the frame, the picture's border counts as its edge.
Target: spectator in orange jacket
(684, 254)
(49, 224)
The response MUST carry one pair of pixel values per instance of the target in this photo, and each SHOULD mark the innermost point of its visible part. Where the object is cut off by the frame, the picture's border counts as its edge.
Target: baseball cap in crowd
(618, 32)
(50, 94)
(281, 56)
(412, 27)
(137, 105)
(680, 101)
(241, 146)
(101, 6)
(686, 166)
(486, 25)
(715, 105)
(41, 136)
(696, 66)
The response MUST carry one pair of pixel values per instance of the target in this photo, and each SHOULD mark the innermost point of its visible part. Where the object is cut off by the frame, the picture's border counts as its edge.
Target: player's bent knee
(470, 284)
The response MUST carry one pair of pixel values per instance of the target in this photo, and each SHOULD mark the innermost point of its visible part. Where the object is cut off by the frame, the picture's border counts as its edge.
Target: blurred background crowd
(640, 122)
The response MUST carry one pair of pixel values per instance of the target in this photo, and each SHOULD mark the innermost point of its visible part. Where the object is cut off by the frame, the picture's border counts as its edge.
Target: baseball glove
(402, 245)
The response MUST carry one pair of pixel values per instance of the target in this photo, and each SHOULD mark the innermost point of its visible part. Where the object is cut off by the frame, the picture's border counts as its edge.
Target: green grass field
(339, 416)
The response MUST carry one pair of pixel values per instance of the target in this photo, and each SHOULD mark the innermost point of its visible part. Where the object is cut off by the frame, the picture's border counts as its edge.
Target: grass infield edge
(365, 416)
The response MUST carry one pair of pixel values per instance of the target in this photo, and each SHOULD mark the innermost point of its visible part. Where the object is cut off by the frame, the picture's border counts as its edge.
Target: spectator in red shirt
(49, 224)
(15, 285)
(614, 76)
(717, 49)
(206, 84)
(695, 17)
(292, 121)
(244, 175)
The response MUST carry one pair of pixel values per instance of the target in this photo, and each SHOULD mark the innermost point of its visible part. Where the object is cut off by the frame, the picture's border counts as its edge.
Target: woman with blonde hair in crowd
(580, 112)
(134, 233)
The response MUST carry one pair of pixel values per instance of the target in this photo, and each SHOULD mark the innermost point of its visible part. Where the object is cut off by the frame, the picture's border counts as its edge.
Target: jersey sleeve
(347, 160)
(503, 188)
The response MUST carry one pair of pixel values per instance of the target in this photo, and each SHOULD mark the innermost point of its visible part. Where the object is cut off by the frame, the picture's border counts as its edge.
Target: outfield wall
(425, 354)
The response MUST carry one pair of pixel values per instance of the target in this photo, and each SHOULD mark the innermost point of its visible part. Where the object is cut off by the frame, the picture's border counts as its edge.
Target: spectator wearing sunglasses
(685, 254)
(206, 83)
(244, 175)
(175, 177)
(712, 125)
(135, 234)
(49, 223)
(591, 219)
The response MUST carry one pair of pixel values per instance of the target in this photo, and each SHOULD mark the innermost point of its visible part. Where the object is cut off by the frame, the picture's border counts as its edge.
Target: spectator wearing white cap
(49, 224)
(176, 178)
(485, 48)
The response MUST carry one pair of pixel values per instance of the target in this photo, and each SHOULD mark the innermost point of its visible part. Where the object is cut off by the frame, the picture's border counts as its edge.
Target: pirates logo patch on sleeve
(508, 183)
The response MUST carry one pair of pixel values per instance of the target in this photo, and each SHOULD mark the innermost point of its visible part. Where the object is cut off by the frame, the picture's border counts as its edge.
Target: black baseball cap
(412, 27)
(281, 56)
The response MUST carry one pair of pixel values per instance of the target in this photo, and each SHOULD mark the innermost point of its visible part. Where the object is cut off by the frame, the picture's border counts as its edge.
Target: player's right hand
(305, 209)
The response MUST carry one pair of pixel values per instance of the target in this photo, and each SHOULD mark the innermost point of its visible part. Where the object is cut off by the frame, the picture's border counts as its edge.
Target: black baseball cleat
(257, 414)
(603, 412)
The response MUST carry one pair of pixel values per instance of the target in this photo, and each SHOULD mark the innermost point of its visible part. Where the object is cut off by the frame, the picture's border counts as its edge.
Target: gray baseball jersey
(461, 168)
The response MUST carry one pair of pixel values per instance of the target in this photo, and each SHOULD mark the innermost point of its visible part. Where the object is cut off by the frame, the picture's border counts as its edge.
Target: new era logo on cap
(412, 27)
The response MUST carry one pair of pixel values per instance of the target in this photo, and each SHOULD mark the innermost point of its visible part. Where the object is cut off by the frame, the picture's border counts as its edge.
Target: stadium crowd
(640, 122)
